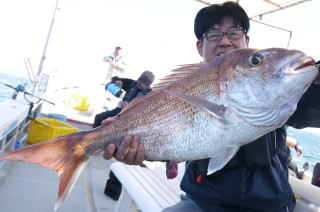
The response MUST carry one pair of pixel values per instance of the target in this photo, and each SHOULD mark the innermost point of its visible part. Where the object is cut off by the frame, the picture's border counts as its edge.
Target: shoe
(306, 166)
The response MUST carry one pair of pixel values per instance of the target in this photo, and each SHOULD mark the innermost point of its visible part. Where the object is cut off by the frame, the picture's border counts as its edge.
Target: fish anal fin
(221, 158)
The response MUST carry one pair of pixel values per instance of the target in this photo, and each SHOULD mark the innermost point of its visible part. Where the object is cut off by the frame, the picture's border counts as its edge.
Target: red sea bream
(205, 110)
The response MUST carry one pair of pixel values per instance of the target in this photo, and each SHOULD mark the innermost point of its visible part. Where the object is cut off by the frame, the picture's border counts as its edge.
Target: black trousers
(316, 172)
(104, 115)
(113, 186)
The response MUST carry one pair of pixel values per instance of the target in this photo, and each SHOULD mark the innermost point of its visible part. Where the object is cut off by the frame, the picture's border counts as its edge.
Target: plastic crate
(78, 102)
(42, 129)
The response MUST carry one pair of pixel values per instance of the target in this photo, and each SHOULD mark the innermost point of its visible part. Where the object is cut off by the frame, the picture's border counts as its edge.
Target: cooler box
(42, 129)
(57, 117)
(78, 102)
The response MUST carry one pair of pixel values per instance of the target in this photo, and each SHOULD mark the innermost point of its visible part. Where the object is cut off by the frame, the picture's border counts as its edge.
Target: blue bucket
(115, 90)
(17, 145)
(59, 117)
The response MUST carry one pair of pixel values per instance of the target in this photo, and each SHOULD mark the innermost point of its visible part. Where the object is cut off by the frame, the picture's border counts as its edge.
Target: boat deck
(30, 187)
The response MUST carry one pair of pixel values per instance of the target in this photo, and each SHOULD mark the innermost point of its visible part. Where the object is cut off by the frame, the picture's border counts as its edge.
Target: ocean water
(14, 80)
(309, 141)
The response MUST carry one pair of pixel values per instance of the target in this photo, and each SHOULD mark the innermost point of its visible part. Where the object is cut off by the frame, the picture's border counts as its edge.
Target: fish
(205, 110)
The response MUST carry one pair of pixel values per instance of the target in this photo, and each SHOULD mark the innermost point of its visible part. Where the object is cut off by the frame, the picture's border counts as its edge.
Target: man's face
(211, 49)
(142, 85)
(118, 51)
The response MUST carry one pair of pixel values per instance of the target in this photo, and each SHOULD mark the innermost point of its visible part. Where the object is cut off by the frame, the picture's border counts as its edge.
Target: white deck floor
(26, 187)
(29, 187)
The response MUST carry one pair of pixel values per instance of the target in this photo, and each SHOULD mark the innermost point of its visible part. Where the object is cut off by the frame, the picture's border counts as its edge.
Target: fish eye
(255, 59)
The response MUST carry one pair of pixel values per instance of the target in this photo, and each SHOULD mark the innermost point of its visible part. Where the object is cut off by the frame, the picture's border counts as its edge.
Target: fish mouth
(302, 65)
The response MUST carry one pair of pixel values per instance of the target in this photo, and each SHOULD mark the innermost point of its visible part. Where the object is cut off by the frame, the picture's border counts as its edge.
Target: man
(256, 178)
(293, 167)
(116, 62)
(316, 175)
(133, 89)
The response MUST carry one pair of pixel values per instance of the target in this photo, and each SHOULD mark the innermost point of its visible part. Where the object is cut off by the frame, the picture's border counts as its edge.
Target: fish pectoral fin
(214, 109)
(220, 159)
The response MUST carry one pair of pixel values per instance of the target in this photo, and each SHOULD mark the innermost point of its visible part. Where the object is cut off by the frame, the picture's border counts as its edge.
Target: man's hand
(298, 150)
(130, 151)
(122, 104)
(114, 65)
(107, 59)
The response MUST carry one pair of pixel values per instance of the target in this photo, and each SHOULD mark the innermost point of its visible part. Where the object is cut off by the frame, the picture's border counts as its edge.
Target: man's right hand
(130, 152)
(108, 60)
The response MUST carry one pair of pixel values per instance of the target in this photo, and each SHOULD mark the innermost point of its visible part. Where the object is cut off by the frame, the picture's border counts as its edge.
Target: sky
(155, 35)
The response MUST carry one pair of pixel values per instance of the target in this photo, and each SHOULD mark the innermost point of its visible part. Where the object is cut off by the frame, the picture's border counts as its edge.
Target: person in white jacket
(117, 66)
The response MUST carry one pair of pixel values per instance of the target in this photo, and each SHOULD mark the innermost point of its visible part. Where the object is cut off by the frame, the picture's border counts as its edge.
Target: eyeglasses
(215, 35)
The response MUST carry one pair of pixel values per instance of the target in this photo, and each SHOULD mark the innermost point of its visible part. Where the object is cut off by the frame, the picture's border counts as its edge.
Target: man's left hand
(130, 152)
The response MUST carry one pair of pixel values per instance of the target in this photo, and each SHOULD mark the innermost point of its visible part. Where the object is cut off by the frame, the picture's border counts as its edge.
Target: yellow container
(42, 129)
(78, 102)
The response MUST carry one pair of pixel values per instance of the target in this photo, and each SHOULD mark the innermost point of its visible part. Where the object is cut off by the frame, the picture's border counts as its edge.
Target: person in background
(132, 88)
(316, 175)
(256, 178)
(293, 143)
(117, 66)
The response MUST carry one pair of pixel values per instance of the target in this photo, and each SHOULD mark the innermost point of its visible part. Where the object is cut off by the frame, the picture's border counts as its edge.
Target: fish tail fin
(59, 154)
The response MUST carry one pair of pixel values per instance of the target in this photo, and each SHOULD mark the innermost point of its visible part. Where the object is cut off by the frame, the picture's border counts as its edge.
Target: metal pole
(289, 40)
(289, 31)
(45, 49)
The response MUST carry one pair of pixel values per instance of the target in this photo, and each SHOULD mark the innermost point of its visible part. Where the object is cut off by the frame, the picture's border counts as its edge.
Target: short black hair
(214, 14)
(147, 78)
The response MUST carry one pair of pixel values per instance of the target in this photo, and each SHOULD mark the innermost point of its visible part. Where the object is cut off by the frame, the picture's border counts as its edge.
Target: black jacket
(132, 92)
(131, 88)
(257, 177)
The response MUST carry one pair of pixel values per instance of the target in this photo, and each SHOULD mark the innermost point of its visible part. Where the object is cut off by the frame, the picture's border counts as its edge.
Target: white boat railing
(14, 123)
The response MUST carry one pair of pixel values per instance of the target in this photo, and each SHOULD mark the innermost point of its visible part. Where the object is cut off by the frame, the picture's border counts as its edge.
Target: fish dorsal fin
(176, 74)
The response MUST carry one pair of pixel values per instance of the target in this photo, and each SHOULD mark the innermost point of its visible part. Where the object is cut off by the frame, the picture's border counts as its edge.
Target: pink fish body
(205, 110)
